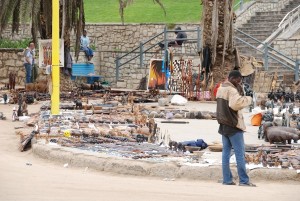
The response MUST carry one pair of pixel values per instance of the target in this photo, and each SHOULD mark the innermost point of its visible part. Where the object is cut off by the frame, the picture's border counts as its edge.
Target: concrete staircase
(260, 27)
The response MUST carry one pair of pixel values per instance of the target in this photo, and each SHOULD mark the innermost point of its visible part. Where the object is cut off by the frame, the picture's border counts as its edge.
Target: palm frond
(124, 3)
(161, 5)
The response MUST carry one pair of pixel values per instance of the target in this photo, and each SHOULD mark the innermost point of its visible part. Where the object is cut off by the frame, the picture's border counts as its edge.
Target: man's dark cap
(235, 74)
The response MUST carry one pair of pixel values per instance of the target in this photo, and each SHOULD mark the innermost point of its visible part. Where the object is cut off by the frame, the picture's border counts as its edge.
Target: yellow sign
(67, 133)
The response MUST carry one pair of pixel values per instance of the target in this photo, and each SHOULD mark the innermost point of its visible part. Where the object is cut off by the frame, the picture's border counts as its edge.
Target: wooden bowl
(215, 148)
(191, 149)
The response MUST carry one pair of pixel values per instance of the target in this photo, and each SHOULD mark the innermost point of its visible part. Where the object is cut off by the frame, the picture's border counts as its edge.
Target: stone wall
(290, 47)
(110, 41)
(24, 32)
(114, 40)
(11, 60)
(259, 6)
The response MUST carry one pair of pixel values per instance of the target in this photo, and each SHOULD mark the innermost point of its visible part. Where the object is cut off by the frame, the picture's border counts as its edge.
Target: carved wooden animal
(281, 134)
(30, 87)
(24, 108)
(12, 80)
(41, 87)
(78, 104)
(85, 86)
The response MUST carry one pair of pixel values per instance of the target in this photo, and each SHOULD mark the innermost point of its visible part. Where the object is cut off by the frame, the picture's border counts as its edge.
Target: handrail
(281, 54)
(254, 47)
(270, 52)
(240, 4)
(284, 23)
(286, 16)
(248, 36)
(157, 35)
(143, 50)
(262, 43)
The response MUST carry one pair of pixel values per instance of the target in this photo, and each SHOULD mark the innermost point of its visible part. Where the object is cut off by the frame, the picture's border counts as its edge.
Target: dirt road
(45, 180)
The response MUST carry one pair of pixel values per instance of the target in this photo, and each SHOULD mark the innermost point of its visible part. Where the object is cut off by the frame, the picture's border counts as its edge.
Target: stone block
(121, 84)
(290, 43)
(3, 72)
(21, 73)
(10, 62)
(19, 63)
(139, 76)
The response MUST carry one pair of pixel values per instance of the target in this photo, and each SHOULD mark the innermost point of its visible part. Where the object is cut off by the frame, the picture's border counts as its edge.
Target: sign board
(157, 75)
(45, 53)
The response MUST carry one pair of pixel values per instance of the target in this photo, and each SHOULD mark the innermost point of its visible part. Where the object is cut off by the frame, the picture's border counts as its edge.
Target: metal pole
(242, 5)
(117, 67)
(297, 70)
(55, 58)
(198, 39)
(266, 57)
(141, 54)
(165, 39)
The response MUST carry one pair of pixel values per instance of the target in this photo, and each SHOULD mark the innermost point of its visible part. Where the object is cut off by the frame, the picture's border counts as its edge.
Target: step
(262, 21)
(291, 5)
(246, 48)
(249, 52)
(240, 43)
(250, 31)
(255, 25)
(247, 39)
(254, 35)
(243, 45)
(269, 13)
(268, 17)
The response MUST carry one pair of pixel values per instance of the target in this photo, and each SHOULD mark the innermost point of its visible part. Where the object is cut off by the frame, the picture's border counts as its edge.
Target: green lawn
(143, 11)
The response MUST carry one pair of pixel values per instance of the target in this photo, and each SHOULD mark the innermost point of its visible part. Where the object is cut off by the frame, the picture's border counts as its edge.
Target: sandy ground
(45, 180)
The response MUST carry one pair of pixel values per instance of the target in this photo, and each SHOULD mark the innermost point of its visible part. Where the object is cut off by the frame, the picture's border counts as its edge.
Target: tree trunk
(217, 34)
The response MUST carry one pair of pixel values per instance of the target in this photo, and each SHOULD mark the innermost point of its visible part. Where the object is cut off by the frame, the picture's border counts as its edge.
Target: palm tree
(38, 13)
(217, 26)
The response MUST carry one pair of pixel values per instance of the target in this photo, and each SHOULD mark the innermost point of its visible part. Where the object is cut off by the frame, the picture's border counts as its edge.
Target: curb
(152, 169)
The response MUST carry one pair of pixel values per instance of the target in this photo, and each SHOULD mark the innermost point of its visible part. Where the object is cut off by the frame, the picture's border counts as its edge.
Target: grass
(6, 43)
(144, 11)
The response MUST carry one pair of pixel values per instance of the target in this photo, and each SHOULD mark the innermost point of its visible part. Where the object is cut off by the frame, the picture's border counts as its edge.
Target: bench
(85, 70)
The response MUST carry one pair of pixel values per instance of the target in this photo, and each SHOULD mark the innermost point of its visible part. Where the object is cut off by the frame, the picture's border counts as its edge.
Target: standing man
(181, 37)
(85, 46)
(230, 102)
(28, 61)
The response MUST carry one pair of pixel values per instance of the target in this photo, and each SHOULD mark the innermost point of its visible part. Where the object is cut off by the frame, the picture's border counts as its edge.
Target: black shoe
(232, 183)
